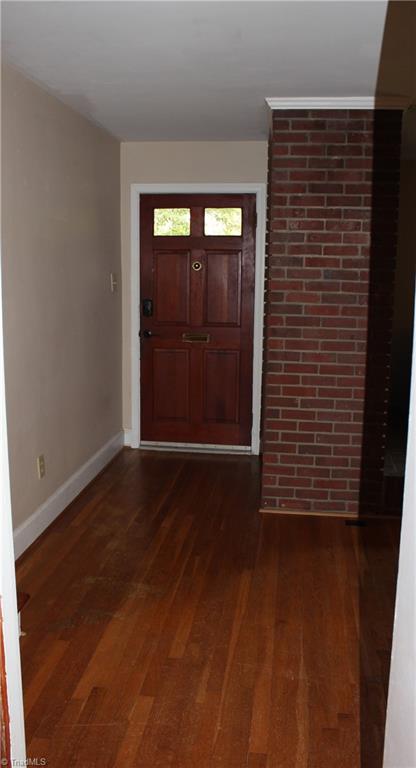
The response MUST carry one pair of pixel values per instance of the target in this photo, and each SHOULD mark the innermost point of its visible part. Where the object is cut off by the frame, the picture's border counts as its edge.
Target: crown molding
(339, 102)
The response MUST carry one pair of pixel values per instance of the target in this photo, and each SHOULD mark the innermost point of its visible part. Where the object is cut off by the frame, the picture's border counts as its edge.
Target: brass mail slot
(196, 337)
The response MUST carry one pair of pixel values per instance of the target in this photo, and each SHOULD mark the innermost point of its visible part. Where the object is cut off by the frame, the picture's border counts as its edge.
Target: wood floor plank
(169, 624)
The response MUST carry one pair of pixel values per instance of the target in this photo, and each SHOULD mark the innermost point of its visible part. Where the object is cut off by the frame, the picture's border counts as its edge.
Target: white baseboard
(26, 533)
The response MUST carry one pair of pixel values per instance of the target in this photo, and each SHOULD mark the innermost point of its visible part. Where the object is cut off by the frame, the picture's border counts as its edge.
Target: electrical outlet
(41, 466)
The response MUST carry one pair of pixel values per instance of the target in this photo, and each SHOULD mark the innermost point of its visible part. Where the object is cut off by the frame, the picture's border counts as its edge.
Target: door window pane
(171, 221)
(223, 221)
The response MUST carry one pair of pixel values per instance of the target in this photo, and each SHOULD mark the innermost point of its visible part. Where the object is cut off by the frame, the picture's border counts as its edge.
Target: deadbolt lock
(196, 266)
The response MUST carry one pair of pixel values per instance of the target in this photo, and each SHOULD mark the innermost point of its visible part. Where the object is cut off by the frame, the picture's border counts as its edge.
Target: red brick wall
(332, 220)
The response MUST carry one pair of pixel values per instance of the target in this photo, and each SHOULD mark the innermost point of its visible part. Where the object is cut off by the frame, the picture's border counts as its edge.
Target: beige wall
(177, 162)
(62, 326)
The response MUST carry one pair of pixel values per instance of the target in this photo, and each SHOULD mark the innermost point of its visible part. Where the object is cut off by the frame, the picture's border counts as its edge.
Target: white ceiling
(200, 70)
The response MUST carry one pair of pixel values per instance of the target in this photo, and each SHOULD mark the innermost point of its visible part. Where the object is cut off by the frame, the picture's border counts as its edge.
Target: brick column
(332, 225)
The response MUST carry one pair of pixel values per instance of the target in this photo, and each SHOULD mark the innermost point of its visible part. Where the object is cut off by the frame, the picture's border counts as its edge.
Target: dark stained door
(197, 305)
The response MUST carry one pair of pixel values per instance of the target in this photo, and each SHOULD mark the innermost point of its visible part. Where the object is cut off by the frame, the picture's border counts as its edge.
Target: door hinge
(255, 220)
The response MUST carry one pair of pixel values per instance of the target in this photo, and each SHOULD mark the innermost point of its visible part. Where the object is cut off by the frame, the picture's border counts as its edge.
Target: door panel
(171, 372)
(223, 288)
(221, 385)
(171, 286)
(196, 355)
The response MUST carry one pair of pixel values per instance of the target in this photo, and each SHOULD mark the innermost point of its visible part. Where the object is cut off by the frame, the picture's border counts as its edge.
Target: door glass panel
(223, 221)
(171, 221)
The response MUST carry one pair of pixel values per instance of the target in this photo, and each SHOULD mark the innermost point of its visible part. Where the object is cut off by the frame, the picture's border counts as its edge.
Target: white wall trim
(8, 585)
(400, 734)
(339, 102)
(128, 438)
(136, 190)
(26, 533)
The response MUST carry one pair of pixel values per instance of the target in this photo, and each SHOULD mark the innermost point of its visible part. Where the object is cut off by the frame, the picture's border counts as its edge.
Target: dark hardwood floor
(170, 624)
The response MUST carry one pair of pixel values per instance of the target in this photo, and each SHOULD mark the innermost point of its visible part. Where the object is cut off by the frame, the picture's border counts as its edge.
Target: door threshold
(153, 445)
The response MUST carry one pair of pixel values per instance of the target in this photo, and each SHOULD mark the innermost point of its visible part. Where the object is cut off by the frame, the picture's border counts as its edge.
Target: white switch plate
(113, 282)
(41, 466)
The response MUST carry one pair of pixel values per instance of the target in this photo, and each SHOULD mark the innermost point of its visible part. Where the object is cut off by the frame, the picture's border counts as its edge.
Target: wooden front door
(197, 305)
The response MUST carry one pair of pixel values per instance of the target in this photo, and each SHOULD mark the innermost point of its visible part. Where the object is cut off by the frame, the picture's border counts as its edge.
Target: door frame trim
(136, 190)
